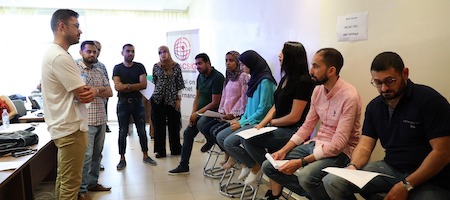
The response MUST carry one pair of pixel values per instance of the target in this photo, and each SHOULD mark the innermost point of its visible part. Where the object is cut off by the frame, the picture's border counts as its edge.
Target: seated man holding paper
(208, 94)
(337, 105)
(413, 124)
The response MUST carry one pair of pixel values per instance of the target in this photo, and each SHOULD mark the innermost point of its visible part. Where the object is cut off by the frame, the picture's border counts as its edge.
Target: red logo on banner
(182, 48)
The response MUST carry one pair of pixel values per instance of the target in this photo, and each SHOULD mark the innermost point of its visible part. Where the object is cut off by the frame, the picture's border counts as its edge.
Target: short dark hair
(203, 56)
(83, 44)
(61, 15)
(332, 57)
(386, 60)
(127, 45)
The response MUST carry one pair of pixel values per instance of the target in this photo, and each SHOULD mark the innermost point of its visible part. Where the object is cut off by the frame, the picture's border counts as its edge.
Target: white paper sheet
(14, 127)
(11, 165)
(358, 177)
(249, 133)
(275, 163)
(148, 92)
(210, 113)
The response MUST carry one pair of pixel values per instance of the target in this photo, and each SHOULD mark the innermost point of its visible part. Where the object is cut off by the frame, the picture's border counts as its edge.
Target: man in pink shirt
(337, 105)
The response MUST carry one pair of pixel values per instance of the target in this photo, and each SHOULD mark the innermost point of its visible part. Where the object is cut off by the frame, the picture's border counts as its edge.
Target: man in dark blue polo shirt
(412, 122)
(209, 91)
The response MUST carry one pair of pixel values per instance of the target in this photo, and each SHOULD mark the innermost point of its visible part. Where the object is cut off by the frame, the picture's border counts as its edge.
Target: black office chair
(34, 104)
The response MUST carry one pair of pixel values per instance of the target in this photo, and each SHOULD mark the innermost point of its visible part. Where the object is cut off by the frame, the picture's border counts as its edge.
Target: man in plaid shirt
(96, 119)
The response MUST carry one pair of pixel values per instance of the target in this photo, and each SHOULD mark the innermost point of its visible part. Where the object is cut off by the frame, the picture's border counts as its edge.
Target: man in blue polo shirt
(413, 124)
(209, 91)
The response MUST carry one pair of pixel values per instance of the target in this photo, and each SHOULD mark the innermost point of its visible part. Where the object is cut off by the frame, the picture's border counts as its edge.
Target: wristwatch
(407, 185)
(304, 162)
(128, 86)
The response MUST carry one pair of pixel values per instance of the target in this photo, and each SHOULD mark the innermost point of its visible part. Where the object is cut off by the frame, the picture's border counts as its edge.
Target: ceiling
(144, 5)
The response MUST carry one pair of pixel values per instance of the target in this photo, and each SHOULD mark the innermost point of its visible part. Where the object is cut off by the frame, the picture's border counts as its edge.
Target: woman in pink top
(233, 101)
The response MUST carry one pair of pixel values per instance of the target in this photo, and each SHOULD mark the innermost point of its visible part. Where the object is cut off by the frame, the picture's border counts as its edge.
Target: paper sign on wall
(352, 27)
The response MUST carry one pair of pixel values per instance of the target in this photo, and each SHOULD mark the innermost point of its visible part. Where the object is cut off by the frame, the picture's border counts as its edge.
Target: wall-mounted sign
(352, 27)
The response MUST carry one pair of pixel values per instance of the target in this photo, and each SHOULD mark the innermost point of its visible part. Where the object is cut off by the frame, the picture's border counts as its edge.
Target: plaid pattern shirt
(95, 78)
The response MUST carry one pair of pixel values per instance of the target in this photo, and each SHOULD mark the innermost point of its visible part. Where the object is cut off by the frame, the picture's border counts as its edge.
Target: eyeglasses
(389, 82)
(77, 26)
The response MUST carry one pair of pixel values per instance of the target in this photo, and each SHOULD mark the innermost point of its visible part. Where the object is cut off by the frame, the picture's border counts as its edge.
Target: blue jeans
(378, 187)
(228, 140)
(307, 181)
(127, 107)
(93, 156)
(188, 140)
(272, 141)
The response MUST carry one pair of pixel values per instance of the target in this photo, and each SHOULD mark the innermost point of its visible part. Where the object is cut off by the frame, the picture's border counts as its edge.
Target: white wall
(261, 25)
(417, 30)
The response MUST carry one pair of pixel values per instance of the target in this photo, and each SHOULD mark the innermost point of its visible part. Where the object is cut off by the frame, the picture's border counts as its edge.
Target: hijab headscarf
(259, 70)
(166, 65)
(233, 75)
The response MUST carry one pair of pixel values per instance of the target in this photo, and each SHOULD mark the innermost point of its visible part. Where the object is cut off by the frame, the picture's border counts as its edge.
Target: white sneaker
(244, 173)
(251, 178)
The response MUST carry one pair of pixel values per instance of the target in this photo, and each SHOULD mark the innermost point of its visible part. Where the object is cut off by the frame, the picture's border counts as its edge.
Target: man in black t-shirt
(129, 77)
(413, 124)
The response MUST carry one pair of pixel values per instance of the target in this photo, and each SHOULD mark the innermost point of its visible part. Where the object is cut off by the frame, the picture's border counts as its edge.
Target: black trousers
(163, 115)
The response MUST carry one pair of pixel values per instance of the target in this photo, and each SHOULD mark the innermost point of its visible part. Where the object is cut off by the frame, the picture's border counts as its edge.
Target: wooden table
(36, 116)
(20, 183)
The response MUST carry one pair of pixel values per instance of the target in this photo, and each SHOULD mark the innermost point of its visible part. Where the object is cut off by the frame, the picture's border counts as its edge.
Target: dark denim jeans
(188, 140)
(127, 107)
(307, 181)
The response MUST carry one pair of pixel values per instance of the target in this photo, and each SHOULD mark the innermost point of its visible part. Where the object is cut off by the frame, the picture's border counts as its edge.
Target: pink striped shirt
(339, 112)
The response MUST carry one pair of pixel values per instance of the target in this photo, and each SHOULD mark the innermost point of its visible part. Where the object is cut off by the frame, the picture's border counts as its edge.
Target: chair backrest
(20, 106)
(34, 104)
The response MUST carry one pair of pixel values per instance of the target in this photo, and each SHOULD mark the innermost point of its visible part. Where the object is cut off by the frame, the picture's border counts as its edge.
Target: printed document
(275, 163)
(358, 177)
(148, 92)
(12, 165)
(249, 133)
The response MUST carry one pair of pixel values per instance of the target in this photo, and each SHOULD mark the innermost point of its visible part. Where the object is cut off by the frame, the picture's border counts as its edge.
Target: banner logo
(182, 48)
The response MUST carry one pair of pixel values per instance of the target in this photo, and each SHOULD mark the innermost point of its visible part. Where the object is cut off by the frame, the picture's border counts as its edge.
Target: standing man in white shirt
(65, 95)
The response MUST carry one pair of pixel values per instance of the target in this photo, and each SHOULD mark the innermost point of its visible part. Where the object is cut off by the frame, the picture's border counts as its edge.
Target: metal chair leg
(213, 171)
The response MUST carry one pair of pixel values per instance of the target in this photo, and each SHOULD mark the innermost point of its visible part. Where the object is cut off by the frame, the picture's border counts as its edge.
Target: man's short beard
(316, 81)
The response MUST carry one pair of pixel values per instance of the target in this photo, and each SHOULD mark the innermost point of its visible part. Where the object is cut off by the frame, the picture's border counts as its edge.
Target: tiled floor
(139, 181)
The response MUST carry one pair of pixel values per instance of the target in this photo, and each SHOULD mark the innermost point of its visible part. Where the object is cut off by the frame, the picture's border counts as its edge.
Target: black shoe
(206, 147)
(179, 170)
(149, 161)
(160, 155)
(107, 129)
(271, 197)
(121, 164)
(102, 168)
(268, 193)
